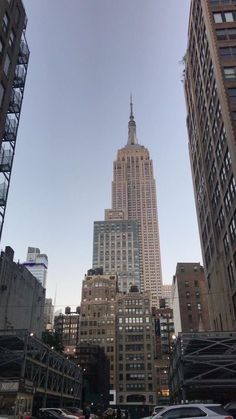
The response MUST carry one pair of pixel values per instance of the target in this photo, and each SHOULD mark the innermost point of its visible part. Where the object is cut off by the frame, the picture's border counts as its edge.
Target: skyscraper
(210, 87)
(14, 57)
(37, 264)
(134, 192)
(116, 249)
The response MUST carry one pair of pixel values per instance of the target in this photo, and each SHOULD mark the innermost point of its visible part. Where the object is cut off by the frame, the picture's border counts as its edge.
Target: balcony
(6, 157)
(15, 102)
(3, 193)
(24, 52)
(10, 129)
(20, 75)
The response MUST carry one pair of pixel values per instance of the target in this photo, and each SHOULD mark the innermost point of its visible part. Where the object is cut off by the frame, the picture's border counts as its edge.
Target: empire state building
(134, 192)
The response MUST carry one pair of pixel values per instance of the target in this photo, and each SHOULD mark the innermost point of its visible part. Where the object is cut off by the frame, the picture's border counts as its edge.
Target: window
(217, 17)
(199, 307)
(232, 95)
(2, 91)
(5, 22)
(11, 39)
(224, 17)
(232, 229)
(227, 201)
(232, 187)
(229, 17)
(230, 273)
(7, 65)
(183, 412)
(1, 46)
(217, 2)
(230, 73)
(226, 243)
(228, 53)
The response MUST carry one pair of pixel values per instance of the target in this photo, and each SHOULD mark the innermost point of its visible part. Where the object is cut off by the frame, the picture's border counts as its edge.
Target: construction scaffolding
(203, 367)
(52, 378)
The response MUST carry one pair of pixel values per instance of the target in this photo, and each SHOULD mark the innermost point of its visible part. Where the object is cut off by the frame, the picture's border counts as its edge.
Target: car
(75, 411)
(49, 414)
(231, 409)
(157, 409)
(196, 410)
(62, 412)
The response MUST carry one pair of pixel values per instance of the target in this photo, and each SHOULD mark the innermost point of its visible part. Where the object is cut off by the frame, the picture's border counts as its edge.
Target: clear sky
(86, 58)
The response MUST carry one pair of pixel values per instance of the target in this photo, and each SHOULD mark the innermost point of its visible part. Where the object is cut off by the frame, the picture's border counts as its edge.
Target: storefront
(16, 399)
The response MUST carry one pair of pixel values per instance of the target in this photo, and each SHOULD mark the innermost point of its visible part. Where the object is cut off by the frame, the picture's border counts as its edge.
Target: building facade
(167, 295)
(190, 304)
(14, 57)
(134, 193)
(135, 349)
(37, 264)
(116, 250)
(97, 318)
(165, 338)
(48, 314)
(210, 88)
(21, 296)
(67, 327)
(95, 367)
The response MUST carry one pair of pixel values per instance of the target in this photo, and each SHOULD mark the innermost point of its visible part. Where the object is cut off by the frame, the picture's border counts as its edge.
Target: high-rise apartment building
(210, 87)
(134, 192)
(97, 317)
(37, 264)
(116, 250)
(190, 306)
(136, 383)
(22, 297)
(14, 57)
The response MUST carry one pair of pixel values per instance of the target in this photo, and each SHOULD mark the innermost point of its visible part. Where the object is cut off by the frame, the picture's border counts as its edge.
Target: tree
(53, 339)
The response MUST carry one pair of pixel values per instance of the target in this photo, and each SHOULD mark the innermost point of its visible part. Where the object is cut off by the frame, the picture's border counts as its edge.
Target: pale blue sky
(86, 58)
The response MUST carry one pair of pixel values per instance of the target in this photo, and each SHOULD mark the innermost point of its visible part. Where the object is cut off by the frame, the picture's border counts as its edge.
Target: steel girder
(203, 361)
(24, 356)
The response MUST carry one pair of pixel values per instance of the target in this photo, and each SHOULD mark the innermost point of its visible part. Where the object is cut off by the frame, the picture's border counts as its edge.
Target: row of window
(228, 53)
(224, 34)
(134, 320)
(220, 17)
(218, 2)
(189, 306)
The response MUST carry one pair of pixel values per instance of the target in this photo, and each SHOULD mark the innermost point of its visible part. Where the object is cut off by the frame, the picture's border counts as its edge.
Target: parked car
(231, 409)
(213, 411)
(157, 409)
(75, 411)
(49, 414)
(62, 412)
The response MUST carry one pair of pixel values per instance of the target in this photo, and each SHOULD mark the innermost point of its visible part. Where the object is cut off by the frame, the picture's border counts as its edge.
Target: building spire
(131, 107)
(132, 139)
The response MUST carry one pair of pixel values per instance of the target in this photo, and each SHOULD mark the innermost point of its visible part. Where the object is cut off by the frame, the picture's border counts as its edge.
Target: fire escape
(8, 145)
